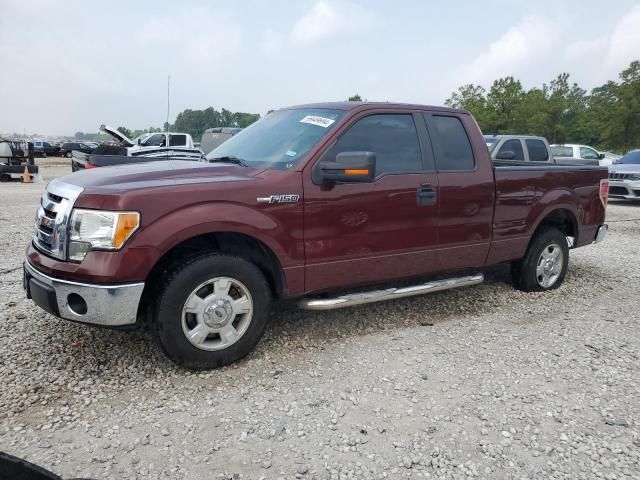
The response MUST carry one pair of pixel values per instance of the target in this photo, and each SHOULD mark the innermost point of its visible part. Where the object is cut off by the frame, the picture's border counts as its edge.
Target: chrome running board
(389, 293)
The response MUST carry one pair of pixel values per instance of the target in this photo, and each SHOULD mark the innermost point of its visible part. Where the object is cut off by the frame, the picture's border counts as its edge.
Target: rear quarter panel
(526, 195)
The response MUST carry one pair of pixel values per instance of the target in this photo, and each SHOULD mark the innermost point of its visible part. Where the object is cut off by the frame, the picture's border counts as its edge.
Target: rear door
(466, 190)
(358, 233)
(537, 149)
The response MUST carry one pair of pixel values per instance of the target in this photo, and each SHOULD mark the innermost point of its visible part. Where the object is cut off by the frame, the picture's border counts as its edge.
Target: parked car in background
(307, 203)
(44, 149)
(574, 153)
(14, 159)
(624, 177)
(160, 144)
(146, 148)
(69, 147)
(213, 137)
(522, 148)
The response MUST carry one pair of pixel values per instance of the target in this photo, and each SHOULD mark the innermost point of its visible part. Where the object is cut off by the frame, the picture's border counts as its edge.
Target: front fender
(280, 231)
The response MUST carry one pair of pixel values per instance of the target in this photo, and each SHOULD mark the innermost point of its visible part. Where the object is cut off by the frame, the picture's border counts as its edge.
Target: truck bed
(525, 191)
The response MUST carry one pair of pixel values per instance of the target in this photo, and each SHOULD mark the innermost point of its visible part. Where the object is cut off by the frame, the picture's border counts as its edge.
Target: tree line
(193, 122)
(607, 118)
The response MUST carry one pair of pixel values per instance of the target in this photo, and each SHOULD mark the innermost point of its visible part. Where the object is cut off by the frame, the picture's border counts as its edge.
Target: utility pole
(168, 101)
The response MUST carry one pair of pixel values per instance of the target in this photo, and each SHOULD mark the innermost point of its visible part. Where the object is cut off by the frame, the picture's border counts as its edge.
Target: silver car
(624, 177)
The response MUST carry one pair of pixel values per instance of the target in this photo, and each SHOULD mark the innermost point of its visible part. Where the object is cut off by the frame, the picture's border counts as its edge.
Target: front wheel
(212, 310)
(68, 155)
(544, 266)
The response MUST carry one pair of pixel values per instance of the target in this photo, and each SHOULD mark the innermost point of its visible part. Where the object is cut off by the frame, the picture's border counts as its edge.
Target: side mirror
(139, 141)
(349, 167)
(506, 155)
(601, 156)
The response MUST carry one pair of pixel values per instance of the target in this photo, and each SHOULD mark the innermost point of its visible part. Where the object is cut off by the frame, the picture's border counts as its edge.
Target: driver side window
(156, 140)
(513, 146)
(588, 153)
(392, 137)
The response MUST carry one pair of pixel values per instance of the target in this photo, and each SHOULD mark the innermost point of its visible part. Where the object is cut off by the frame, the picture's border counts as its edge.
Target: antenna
(168, 101)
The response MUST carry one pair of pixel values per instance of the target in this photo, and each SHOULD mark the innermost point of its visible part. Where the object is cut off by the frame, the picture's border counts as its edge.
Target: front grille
(621, 176)
(618, 191)
(52, 218)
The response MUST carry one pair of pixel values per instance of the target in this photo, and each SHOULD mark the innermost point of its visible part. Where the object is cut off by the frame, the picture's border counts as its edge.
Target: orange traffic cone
(26, 178)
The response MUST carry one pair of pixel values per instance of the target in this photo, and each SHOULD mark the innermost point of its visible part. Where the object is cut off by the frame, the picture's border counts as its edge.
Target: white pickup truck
(149, 148)
(583, 154)
(161, 144)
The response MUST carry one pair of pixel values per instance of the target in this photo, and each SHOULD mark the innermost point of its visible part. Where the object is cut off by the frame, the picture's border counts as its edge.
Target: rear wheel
(212, 310)
(544, 266)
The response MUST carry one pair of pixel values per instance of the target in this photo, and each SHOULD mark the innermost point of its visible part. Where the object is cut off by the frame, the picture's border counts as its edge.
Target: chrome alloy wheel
(549, 265)
(217, 313)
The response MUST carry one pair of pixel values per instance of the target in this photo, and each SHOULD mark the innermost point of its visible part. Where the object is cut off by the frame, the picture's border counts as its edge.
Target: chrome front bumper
(105, 305)
(601, 233)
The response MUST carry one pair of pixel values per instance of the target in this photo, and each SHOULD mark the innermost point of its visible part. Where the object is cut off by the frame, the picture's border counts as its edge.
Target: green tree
(504, 99)
(79, 136)
(607, 118)
(125, 131)
(354, 98)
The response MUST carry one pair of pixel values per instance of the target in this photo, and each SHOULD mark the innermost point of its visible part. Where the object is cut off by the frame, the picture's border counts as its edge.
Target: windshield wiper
(229, 159)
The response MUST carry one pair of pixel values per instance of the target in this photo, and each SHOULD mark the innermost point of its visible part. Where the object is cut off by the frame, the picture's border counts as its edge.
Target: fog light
(76, 304)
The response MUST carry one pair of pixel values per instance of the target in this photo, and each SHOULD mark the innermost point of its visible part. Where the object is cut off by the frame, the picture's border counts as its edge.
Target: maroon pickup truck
(309, 201)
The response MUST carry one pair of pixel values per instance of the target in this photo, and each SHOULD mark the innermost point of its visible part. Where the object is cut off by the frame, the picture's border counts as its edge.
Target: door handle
(426, 195)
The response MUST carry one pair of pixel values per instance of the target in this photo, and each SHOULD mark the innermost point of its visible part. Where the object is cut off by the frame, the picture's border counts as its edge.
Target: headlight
(634, 176)
(100, 230)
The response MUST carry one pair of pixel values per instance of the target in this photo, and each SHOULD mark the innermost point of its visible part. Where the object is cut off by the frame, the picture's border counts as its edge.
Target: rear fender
(557, 199)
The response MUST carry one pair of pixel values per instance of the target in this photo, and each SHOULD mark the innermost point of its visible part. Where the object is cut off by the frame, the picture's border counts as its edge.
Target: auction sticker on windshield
(319, 121)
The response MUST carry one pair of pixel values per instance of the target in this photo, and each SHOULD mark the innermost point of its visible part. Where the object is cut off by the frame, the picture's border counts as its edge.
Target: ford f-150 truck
(309, 201)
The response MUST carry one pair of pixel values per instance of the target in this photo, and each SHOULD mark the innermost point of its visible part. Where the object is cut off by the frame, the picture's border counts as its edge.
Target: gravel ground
(483, 382)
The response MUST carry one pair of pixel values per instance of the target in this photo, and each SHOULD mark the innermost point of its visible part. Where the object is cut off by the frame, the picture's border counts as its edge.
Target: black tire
(524, 273)
(5, 178)
(178, 284)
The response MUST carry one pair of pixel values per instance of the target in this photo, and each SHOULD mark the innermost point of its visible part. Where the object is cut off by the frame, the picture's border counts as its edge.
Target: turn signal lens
(127, 224)
(356, 172)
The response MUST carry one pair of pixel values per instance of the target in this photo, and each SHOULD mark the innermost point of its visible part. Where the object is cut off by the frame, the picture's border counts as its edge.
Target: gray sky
(72, 65)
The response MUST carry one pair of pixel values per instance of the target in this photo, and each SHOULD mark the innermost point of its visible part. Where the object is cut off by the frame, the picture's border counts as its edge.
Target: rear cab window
(177, 140)
(451, 143)
(562, 151)
(537, 150)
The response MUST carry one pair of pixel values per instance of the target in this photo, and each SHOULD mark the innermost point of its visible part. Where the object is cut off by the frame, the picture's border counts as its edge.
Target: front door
(358, 233)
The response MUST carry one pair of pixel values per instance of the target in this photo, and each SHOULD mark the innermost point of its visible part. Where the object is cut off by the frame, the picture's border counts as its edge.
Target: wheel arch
(564, 219)
(234, 243)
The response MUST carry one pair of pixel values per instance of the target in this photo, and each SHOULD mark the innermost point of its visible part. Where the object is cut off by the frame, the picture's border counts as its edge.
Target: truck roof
(367, 105)
(500, 137)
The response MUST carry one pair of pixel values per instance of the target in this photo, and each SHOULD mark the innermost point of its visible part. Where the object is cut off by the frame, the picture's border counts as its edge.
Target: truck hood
(157, 174)
(625, 168)
(120, 138)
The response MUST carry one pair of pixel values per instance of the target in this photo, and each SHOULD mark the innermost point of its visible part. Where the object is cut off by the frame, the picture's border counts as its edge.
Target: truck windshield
(279, 140)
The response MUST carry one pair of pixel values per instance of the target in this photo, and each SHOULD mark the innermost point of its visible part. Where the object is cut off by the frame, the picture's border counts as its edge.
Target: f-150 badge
(287, 198)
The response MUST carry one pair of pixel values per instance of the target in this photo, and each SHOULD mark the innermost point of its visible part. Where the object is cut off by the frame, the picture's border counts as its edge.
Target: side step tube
(389, 293)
